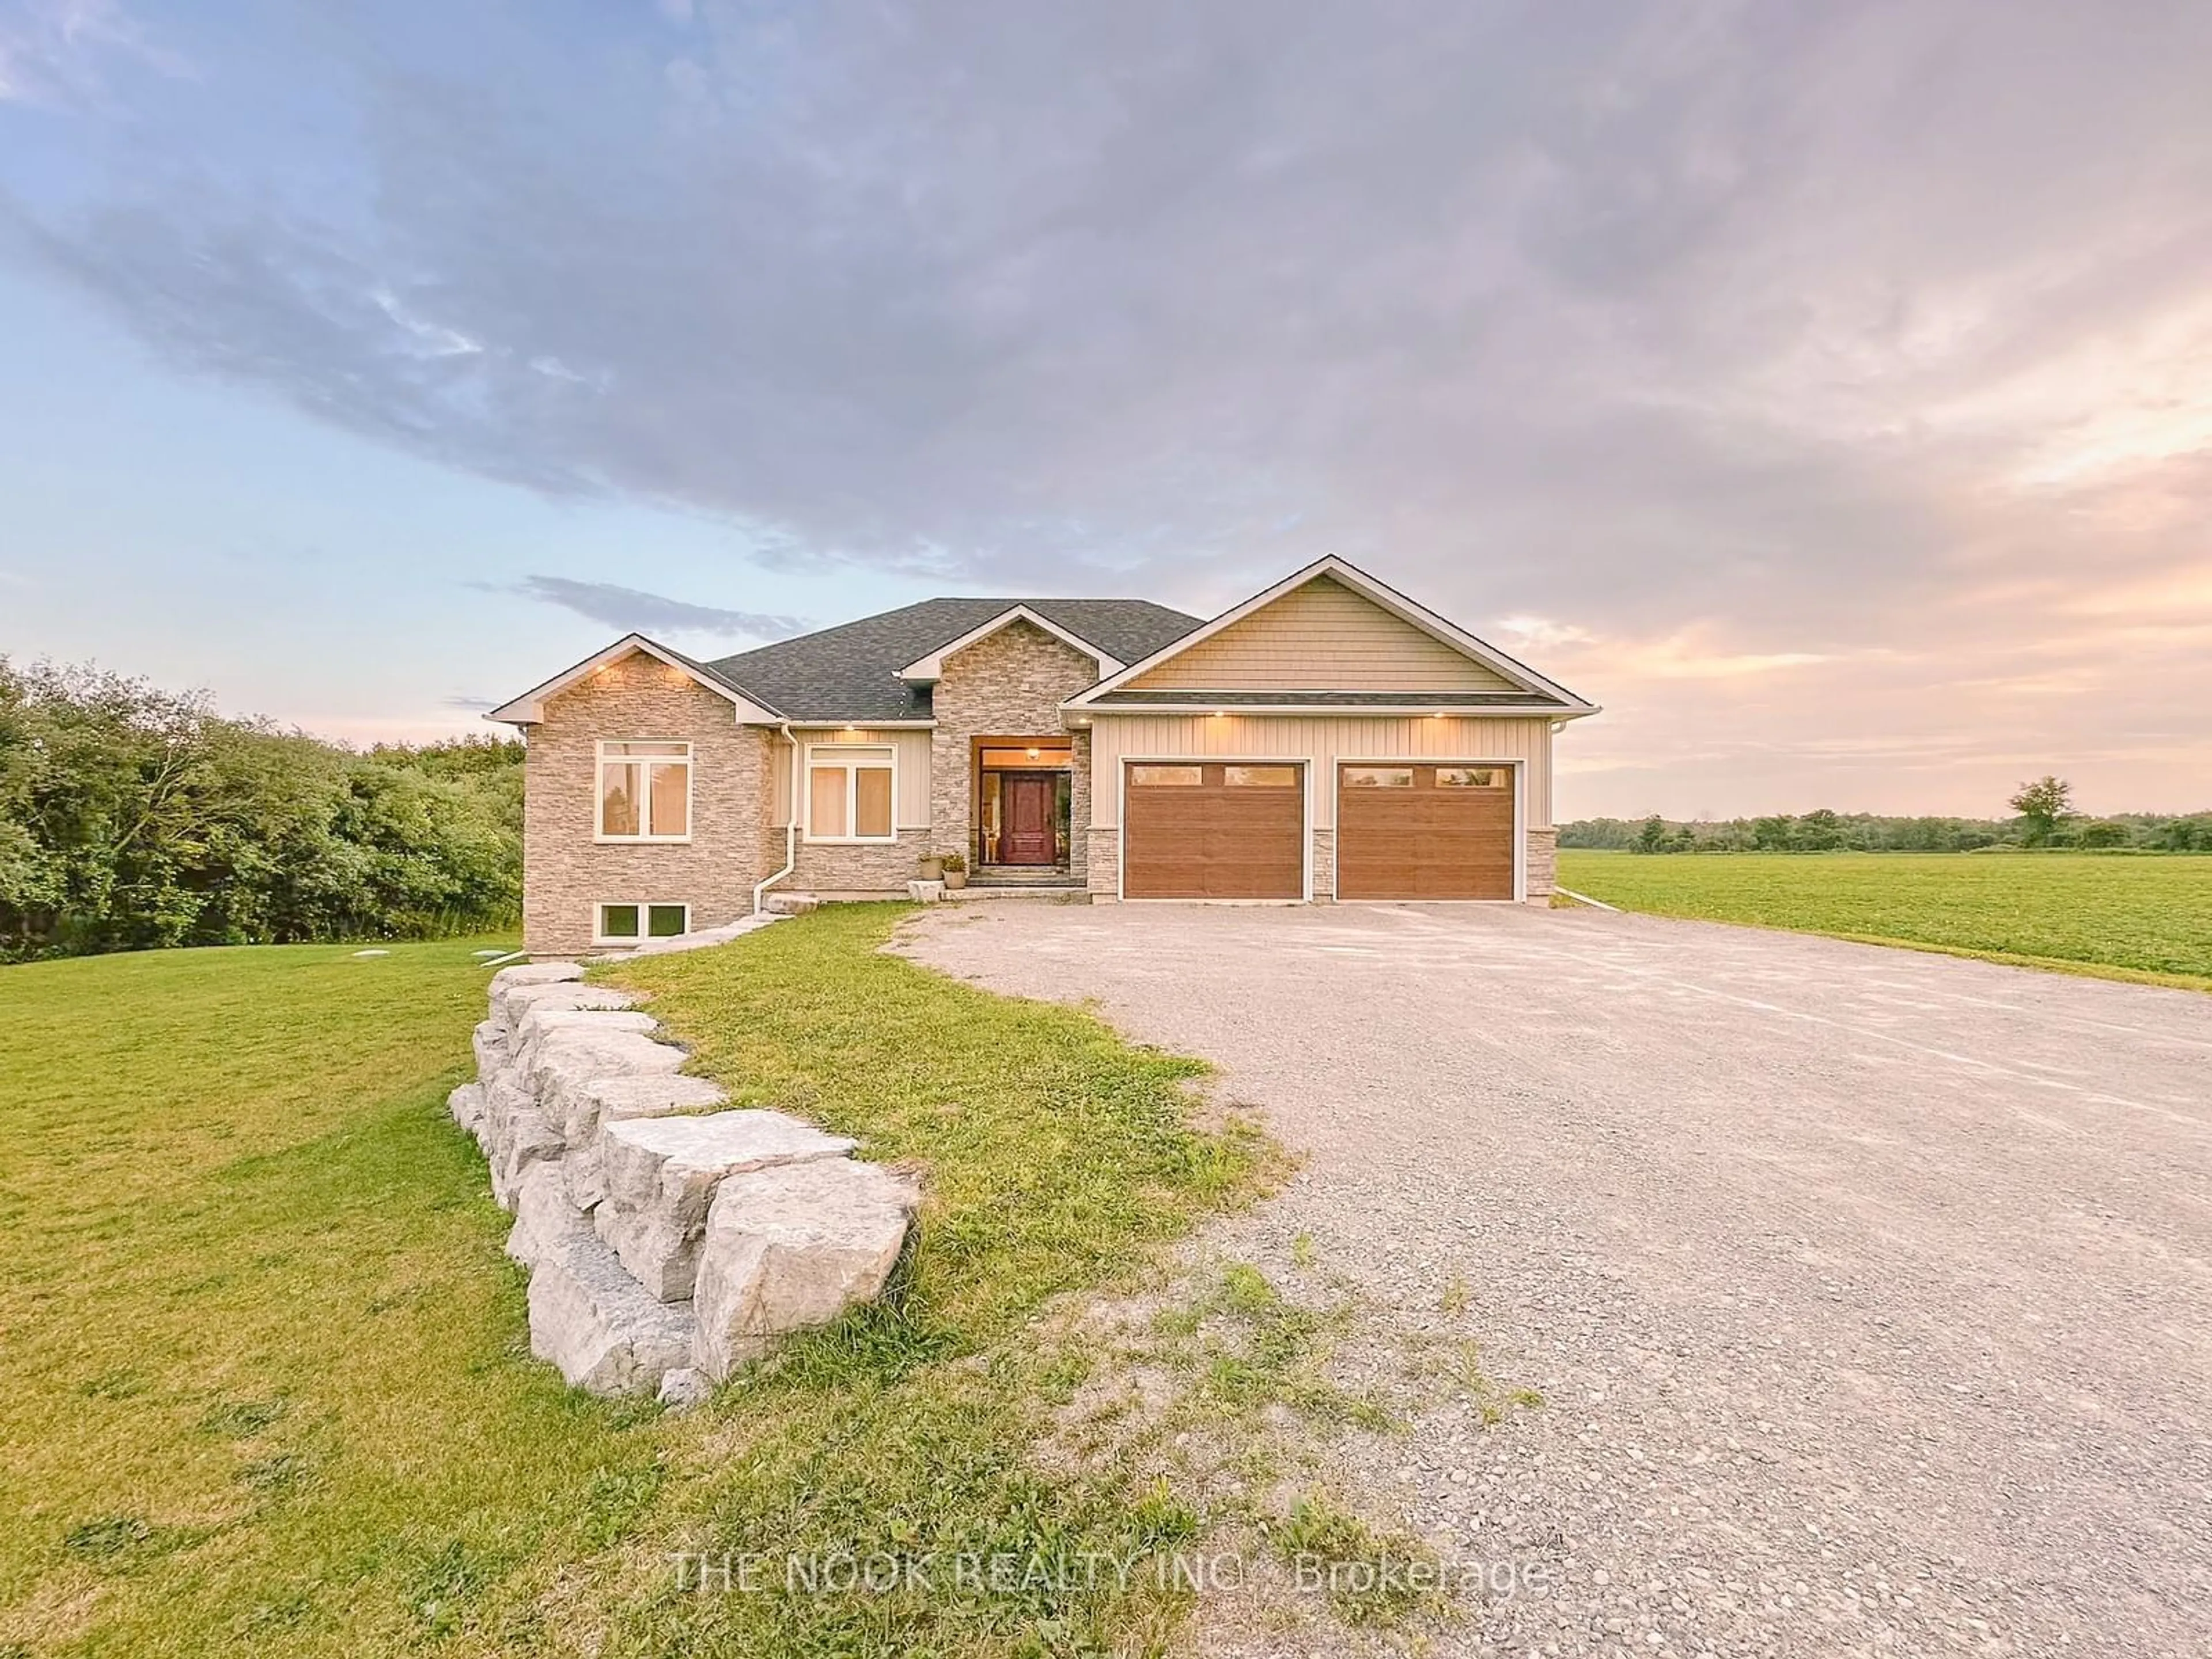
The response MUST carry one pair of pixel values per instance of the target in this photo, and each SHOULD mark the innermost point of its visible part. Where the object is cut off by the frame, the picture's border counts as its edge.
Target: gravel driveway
(1870, 1292)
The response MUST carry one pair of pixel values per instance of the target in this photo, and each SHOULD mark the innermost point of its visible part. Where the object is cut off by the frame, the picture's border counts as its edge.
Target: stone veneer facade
(1543, 865)
(1104, 875)
(878, 867)
(1007, 684)
(1324, 867)
(567, 873)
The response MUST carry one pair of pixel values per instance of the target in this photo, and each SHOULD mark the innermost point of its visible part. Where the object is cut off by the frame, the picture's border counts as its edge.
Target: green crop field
(264, 1385)
(2117, 915)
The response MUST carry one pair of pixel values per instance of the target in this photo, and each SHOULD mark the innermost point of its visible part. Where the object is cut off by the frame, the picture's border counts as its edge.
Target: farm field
(2117, 917)
(264, 1384)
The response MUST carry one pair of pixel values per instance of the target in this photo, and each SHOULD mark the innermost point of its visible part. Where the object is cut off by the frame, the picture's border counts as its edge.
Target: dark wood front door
(1026, 805)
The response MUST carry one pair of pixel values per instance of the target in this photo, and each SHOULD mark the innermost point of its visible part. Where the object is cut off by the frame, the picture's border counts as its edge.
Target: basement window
(626, 924)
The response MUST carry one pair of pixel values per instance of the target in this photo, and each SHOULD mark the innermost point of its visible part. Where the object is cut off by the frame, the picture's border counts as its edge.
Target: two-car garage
(1237, 830)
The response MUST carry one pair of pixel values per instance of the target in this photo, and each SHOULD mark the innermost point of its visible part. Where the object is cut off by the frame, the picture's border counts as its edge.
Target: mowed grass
(264, 1374)
(2120, 916)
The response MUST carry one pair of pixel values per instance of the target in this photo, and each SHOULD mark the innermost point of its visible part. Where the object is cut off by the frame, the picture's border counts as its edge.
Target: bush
(133, 817)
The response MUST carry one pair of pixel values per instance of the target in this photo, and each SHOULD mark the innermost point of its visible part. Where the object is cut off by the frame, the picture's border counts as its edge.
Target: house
(1328, 739)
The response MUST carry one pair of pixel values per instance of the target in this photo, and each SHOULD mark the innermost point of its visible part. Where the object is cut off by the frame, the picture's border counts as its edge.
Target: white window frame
(644, 907)
(689, 762)
(851, 755)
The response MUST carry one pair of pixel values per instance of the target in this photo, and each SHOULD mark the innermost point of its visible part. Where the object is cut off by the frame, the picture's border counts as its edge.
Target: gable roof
(930, 668)
(529, 708)
(1542, 695)
(850, 674)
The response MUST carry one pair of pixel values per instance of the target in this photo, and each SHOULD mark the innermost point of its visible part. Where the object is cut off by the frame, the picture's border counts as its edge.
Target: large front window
(848, 792)
(645, 791)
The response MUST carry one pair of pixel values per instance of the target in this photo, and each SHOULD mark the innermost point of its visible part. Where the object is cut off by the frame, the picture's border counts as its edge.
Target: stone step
(1036, 894)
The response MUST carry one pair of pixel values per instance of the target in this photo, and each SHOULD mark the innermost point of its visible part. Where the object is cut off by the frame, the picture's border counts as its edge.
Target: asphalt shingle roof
(849, 673)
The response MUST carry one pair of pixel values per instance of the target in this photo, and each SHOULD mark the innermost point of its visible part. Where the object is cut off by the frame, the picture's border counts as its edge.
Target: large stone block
(793, 1247)
(537, 1026)
(516, 1002)
(488, 1040)
(529, 973)
(613, 1100)
(544, 1220)
(536, 973)
(466, 1103)
(526, 1139)
(595, 1322)
(661, 1174)
(504, 1096)
(565, 1064)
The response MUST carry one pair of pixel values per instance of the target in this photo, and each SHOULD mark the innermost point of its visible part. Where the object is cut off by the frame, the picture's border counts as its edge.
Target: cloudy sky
(1827, 391)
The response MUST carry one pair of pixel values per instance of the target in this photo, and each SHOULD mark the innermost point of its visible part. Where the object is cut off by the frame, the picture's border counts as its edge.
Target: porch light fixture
(1033, 754)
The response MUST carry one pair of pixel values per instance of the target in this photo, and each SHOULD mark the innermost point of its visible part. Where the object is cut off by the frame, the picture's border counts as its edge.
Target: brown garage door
(1213, 829)
(1424, 832)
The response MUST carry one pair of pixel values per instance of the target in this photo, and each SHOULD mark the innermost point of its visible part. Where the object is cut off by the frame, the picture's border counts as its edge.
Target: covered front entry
(1023, 787)
(1425, 831)
(1213, 829)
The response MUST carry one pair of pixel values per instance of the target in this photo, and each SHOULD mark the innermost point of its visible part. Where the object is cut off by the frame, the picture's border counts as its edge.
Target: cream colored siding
(1323, 742)
(1322, 636)
(911, 807)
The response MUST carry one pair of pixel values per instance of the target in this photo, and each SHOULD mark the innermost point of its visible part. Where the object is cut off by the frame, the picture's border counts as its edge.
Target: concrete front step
(1059, 893)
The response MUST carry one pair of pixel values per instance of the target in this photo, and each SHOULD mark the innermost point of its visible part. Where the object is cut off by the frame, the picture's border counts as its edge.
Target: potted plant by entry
(956, 870)
(932, 867)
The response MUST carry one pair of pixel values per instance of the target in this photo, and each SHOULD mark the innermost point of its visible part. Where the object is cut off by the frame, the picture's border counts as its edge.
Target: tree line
(133, 817)
(2043, 817)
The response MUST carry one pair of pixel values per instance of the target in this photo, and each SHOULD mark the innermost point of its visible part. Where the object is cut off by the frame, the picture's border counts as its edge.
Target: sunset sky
(1827, 390)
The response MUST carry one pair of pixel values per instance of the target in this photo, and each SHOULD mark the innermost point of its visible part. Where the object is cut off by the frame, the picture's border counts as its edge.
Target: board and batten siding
(1322, 636)
(1322, 742)
(909, 806)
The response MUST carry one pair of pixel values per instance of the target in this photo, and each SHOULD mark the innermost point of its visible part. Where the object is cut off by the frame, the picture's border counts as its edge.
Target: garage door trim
(1309, 771)
(1520, 818)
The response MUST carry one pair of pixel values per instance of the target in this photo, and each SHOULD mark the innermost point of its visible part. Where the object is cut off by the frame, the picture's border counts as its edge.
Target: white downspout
(790, 830)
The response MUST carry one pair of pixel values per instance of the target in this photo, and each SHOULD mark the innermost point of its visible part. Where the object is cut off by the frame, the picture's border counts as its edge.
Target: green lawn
(264, 1380)
(2118, 916)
